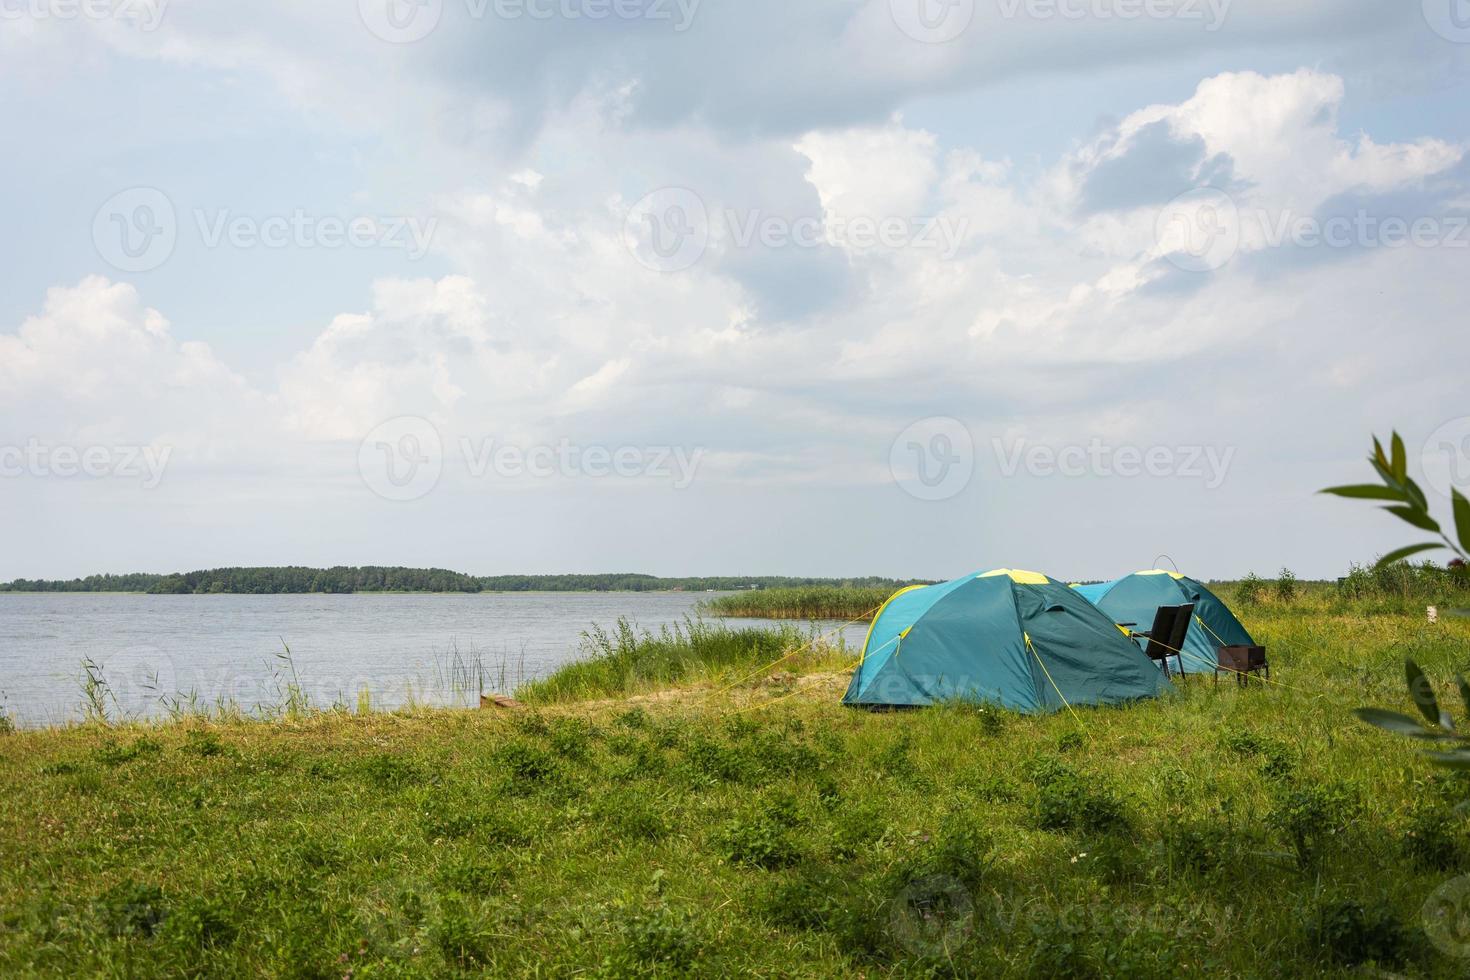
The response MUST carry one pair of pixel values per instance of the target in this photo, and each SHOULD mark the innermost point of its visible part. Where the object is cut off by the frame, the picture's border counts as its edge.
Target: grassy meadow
(659, 811)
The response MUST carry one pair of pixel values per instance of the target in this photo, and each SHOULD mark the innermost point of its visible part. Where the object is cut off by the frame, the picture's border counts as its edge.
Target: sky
(845, 287)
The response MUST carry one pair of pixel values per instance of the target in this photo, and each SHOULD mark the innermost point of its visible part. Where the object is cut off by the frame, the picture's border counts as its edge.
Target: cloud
(1057, 313)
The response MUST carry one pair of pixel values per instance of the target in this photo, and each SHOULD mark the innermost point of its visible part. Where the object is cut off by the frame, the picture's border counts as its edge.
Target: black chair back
(1166, 638)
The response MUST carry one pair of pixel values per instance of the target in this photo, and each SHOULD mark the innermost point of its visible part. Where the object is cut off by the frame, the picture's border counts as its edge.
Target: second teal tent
(1136, 598)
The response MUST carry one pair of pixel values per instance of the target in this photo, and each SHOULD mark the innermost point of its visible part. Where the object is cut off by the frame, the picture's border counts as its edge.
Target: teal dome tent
(1135, 598)
(1010, 638)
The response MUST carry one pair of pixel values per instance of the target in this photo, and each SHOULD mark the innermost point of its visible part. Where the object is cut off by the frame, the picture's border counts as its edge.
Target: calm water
(226, 647)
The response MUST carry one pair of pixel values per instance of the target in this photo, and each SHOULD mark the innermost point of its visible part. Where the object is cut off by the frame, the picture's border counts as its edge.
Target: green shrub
(1067, 801)
(1286, 586)
(201, 923)
(758, 841)
(571, 738)
(461, 932)
(1250, 590)
(524, 764)
(1313, 816)
(204, 744)
(656, 942)
(472, 874)
(1351, 932)
(132, 910)
(630, 816)
(387, 771)
(113, 754)
(1432, 839)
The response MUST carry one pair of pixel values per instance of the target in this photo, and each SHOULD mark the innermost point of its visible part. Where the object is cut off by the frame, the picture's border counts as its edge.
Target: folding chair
(1166, 637)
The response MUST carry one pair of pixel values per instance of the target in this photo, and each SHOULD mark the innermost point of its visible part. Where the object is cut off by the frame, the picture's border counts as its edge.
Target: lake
(229, 647)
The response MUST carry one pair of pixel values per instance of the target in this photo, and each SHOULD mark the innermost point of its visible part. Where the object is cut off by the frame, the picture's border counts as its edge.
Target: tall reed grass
(629, 661)
(801, 602)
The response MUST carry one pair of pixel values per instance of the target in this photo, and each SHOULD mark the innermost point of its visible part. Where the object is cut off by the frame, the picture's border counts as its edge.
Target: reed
(817, 602)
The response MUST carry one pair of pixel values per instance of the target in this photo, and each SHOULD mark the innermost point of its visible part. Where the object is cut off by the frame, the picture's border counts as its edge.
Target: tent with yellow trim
(1010, 638)
(1135, 598)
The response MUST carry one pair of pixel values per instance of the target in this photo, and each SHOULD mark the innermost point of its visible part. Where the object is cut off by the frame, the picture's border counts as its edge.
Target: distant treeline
(341, 580)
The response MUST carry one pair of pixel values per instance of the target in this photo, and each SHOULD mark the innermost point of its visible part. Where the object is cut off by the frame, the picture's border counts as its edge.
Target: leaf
(1400, 465)
(1385, 473)
(1367, 491)
(1393, 721)
(1421, 691)
(1458, 759)
(1379, 458)
(1415, 516)
(1403, 553)
(1416, 495)
(1462, 520)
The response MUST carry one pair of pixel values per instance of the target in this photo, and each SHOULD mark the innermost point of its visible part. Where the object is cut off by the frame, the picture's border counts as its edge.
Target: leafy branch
(1407, 502)
(1450, 747)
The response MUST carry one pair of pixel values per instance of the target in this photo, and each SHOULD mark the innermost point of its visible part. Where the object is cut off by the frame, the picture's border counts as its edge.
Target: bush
(961, 850)
(389, 771)
(461, 933)
(1286, 588)
(657, 942)
(1067, 801)
(201, 924)
(1352, 933)
(132, 910)
(759, 842)
(1312, 816)
(525, 764)
(1431, 840)
(1250, 590)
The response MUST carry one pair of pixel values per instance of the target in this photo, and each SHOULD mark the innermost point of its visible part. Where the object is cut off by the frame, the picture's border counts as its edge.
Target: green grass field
(761, 829)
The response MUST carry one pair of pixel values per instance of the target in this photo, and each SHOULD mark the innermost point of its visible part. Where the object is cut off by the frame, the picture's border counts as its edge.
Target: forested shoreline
(347, 580)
